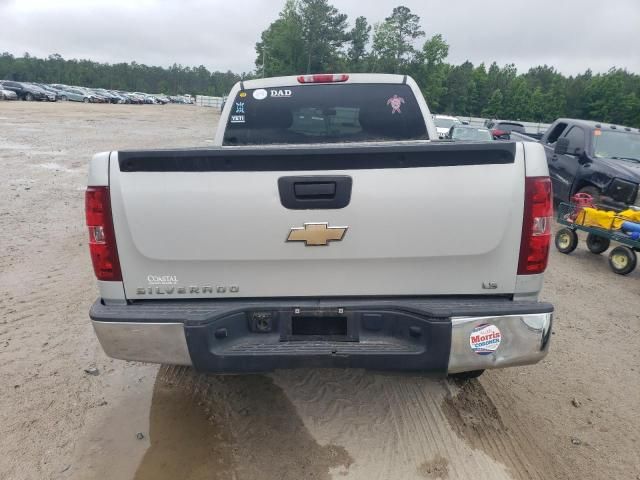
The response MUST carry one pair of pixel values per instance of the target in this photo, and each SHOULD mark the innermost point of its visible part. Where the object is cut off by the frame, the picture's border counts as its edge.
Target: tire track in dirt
(46, 281)
(393, 426)
(242, 427)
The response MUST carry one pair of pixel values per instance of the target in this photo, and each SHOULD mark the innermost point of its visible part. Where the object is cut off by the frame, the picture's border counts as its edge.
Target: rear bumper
(439, 336)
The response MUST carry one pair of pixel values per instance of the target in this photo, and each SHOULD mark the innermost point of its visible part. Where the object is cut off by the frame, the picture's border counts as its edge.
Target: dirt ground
(575, 415)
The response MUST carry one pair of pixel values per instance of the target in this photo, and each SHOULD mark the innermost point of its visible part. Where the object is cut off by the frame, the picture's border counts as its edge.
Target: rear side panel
(439, 227)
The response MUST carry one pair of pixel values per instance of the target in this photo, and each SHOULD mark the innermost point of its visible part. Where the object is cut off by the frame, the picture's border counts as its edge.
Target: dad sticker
(281, 93)
(485, 339)
(260, 94)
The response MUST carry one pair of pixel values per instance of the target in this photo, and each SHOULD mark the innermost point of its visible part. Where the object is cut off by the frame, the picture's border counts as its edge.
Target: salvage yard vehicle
(323, 229)
(444, 124)
(6, 94)
(594, 158)
(501, 130)
(109, 96)
(471, 134)
(24, 91)
(77, 95)
(146, 98)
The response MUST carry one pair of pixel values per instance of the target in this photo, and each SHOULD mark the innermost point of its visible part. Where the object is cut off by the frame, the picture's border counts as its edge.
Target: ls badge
(316, 234)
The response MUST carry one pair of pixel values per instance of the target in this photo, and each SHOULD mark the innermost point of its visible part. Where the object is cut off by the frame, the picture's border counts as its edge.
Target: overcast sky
(571, 35)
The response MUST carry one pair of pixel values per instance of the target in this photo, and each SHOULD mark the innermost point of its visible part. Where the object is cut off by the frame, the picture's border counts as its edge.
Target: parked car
(137, 98)
(25, 91)
(471, 134)
(122, 97)
(501, 129)
(444, 124)
(326, 273)
(51, 95)
(148, 99)
(596, 158)
(6, 94)
(100, 97)
(49, 89)
(106, 95)
(162, 99)
(77, 95)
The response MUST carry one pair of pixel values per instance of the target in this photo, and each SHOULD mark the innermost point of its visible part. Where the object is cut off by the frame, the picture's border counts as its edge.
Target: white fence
(204, 101)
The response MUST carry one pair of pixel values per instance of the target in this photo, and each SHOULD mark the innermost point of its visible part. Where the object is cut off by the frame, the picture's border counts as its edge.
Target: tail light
(536, 226)
(323, 78)
(102, 239)
(498, 133)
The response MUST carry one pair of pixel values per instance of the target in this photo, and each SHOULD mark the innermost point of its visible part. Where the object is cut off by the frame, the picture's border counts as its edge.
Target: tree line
(313, 36)
(130, 77)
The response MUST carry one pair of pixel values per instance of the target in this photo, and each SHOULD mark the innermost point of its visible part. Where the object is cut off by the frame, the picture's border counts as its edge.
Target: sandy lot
(576, 415)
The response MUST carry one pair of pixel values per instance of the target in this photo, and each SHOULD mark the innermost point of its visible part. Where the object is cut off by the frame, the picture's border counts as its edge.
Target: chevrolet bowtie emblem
(315, 234)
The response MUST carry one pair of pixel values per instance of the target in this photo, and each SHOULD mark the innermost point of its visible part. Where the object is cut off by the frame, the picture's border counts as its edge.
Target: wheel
(622, 260)
(29, 97)
(566, 240)
(466, 375)
(63, 98)
(597, 244)
(593, 191)
(86, 100)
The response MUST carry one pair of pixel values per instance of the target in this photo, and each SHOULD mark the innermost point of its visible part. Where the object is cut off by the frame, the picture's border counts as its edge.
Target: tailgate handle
(314, 189)
(315, 192)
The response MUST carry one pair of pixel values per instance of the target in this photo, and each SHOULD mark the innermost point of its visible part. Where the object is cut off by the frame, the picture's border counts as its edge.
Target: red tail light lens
(536, 226)
(323, 78)
(102, 239)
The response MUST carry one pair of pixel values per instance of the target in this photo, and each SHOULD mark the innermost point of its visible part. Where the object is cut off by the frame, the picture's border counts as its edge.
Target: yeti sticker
(395, 102)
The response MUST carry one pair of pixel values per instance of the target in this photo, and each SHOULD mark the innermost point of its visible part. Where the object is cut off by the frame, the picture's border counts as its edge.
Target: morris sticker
(485, 339)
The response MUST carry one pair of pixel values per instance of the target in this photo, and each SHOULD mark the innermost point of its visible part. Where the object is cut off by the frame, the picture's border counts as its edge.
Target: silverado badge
(315, 234)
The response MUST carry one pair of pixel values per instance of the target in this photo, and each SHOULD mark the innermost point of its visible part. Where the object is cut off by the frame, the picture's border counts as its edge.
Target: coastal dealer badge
(485, 339)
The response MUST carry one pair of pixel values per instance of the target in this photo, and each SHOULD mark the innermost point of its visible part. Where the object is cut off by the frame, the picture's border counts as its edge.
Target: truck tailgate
(421, 219)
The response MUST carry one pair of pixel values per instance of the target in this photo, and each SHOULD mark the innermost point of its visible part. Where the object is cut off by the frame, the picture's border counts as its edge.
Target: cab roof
(591, 124)
(272, 82)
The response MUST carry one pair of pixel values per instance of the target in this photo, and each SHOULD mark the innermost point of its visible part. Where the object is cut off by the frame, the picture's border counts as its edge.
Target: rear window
(323, 114)
(471, 134)
(511, 127)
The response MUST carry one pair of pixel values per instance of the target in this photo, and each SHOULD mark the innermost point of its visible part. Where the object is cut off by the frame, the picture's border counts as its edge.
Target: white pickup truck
(323, 229)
